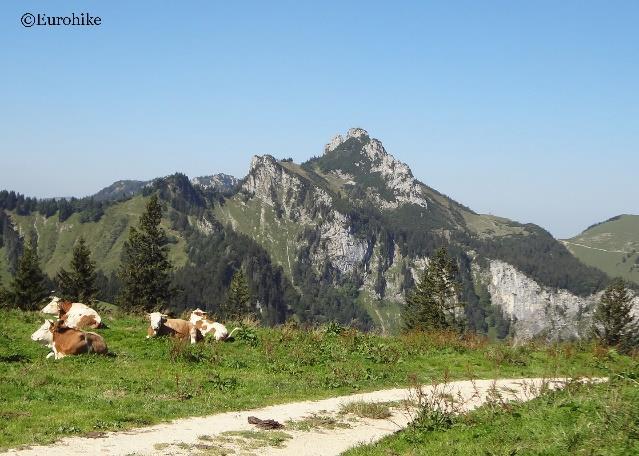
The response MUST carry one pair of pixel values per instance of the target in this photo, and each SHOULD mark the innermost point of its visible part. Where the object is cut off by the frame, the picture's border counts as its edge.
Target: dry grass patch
(316, 422)
(374, 410)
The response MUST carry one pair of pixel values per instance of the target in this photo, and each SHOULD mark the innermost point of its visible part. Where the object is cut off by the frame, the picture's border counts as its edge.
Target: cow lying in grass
(74, 314)
(200, 319)
(44, 336)
(65, 341)
(162, 325)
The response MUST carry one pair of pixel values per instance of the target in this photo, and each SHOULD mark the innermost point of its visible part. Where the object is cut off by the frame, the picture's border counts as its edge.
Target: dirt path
(328, 432)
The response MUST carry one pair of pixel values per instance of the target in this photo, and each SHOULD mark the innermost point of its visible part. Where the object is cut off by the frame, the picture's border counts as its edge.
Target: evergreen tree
(238, 302)
(434, 302)
(614, 323)
(79, 284)
(145, 269)
(28, 287)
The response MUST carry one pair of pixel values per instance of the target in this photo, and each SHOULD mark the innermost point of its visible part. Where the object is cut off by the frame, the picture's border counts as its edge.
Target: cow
(200, 319)
(44, 336)
(162, 325)
(75, 314)
(70, 341)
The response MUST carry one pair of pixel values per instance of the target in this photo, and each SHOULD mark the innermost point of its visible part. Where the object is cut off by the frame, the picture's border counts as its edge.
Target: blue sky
(528, 110)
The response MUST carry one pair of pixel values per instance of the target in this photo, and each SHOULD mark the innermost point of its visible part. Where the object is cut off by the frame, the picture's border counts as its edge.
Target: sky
(527, 110)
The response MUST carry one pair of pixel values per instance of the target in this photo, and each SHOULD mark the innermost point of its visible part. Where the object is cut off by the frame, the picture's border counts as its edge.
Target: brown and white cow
(201, 320)
(74, 314)
(69, 341)
(44, 336)
(162, 325)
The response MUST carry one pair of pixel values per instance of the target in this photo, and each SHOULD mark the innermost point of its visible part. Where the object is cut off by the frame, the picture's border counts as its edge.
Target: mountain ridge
(611, 245)
(346, 234)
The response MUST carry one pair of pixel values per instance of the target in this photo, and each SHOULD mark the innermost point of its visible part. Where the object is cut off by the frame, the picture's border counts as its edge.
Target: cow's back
(82, 316)
(70, 342)
(179, 328)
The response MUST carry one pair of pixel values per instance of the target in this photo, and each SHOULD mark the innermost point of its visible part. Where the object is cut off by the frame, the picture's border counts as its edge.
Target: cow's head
(157, 319)
(197, 315)
(53, 307)
(43, 334)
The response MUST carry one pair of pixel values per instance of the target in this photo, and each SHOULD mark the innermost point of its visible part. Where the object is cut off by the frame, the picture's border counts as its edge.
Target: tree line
(144, 273)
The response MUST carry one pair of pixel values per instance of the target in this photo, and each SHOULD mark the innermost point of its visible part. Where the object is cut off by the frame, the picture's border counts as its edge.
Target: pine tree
(238, 300)
(434, 302)
(28, 287)
(78, 284)
(615, 324)
(145, 269)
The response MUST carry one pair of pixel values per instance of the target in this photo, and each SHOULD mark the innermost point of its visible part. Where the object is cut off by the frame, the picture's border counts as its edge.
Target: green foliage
(238, 301)
(434, 302)
(145, 265)
(42, 400)
(78, 284)
(214, 258)
(543, 258)
(29, 285)
(580, 419)
(615, 324)
(11, 241)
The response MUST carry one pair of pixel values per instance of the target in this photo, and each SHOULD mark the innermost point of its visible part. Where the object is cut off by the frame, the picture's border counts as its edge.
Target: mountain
(221, 182)
(357, 217)
(340, 237)
(612, 246)
(121, 189)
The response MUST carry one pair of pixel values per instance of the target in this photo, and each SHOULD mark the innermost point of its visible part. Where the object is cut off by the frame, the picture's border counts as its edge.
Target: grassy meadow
(580, 419)
(149, 381)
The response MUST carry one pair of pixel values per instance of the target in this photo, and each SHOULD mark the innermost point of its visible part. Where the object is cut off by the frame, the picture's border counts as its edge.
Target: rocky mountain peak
(356, 153)
(357, 133)
(222, 182)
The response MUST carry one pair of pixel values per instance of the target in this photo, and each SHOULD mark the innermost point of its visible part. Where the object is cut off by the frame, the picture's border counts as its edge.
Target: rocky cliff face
(396, 175)
(539, 310)
(293, 199)
(221, 182)
(360, 212)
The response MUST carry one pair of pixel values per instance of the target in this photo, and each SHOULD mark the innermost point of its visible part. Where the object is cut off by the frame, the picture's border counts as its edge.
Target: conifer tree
(238, 300)
(434, 302)
(615, 324)
(78, 284)
(145, 269)
(28, 287)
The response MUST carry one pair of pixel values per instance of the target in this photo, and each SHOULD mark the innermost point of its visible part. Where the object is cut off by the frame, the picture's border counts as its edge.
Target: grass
(374, 410)
(156, 380)
(257, 439)
(107, 237)
(612, 246)
(580, 419)
(314, 421)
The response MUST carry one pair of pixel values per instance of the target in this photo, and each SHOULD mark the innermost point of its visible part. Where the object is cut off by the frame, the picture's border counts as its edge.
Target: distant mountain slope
(355, 218)
(121, 189)
(612, 246)
(221, 182)
(341, 237)
(105, 237)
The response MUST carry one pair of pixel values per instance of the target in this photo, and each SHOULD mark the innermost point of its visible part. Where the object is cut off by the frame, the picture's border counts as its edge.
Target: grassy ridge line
(612, 246)
(106, 238)
(150, 381)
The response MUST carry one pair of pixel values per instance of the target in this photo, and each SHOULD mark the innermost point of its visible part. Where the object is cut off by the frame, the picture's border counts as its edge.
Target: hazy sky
(528, 110)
